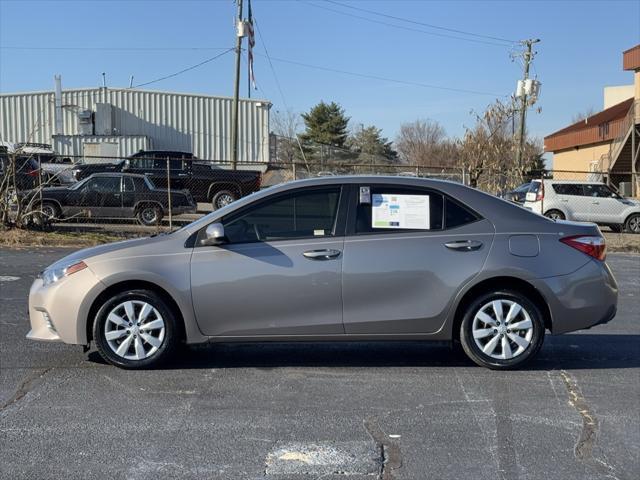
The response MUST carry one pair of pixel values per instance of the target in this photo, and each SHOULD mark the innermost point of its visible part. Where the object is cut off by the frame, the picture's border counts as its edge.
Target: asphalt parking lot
(389, 410)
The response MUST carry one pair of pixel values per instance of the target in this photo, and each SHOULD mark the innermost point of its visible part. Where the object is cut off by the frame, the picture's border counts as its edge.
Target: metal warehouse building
(116, 122)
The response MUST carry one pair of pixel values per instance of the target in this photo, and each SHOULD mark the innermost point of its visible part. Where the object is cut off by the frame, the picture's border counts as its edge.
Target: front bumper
(582, 299)
(58, 312)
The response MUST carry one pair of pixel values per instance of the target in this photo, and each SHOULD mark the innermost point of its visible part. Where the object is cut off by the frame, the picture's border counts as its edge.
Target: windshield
(77, 185)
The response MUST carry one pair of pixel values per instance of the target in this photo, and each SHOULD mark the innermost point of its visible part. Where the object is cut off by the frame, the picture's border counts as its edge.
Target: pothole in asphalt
(324, 458)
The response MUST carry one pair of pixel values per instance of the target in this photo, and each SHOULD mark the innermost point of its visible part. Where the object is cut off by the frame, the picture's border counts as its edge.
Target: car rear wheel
(135, 329)
(223, 198)
(50, 211)
(632, 225)
(149, 215)
(555, 215)
(502, 330)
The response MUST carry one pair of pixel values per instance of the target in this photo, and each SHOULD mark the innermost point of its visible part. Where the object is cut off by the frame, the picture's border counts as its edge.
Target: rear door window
(568, 189)
(127, 184)
(392, 209)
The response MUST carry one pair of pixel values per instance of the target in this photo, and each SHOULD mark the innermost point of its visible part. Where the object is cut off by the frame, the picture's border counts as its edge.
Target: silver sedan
(336, 259)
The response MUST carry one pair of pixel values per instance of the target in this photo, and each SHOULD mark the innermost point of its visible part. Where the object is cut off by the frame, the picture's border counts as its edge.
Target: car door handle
(464, 245)
(322, 254)
(596, 203)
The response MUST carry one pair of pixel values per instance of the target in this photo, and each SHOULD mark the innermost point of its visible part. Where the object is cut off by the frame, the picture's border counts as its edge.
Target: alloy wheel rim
(48, 211)
(224, 200)
(634, 224)
(502, 329)
(134, 330)
(149, 215)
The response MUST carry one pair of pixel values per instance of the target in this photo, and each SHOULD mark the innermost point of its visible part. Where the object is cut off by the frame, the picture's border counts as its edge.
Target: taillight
(32, 173)
(593, 245)
(540, 194)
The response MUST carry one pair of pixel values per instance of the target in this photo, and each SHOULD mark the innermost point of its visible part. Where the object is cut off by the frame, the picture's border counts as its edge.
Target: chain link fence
(158, 191)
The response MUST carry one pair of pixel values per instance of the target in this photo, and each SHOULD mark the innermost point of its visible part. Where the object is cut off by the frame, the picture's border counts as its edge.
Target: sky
(580, 53)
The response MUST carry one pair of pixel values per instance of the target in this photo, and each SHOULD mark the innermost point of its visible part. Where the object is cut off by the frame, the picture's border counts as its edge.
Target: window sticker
(318, 233)
(400, 211)
(365, 195)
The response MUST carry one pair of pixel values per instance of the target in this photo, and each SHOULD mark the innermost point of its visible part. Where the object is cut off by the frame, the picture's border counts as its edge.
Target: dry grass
(17, 238)
(622, 242)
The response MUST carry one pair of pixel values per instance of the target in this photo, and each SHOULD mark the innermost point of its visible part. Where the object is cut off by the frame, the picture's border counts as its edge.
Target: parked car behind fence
(114, 195)
(584, 201)
(207, 182)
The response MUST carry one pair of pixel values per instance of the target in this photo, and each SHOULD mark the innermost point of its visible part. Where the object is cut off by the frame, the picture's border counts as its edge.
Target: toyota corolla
(336, 259)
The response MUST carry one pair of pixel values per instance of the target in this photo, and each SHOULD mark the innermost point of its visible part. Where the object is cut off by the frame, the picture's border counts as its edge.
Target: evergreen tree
(326, 124)
(371, 145)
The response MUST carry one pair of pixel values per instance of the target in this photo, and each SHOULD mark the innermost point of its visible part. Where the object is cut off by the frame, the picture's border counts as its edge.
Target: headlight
(55, 273)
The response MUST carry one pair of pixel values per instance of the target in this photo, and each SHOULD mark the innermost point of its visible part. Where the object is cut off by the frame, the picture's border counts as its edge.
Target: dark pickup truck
(113, 195)
(205, 181)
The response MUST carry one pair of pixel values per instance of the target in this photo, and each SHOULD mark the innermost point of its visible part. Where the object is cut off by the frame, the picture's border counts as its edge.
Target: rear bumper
(582, 299)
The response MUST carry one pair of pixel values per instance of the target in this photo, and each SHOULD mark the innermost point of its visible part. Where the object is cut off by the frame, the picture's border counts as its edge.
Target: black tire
(223, 198)
(473, 350)
(50, 211)
(169, 341)
(555, 215)
(632, 224)
(149, 215)
(616, 228)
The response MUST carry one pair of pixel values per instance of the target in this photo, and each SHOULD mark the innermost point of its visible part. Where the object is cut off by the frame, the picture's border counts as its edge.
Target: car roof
(380, 179)
(117, 174)
(578, 182)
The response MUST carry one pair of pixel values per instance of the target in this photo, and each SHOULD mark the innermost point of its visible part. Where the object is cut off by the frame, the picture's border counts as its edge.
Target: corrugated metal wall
(74, 144)
(173, 121)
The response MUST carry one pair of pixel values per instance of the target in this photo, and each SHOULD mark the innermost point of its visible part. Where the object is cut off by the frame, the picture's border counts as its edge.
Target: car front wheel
(135, 329)
(502, 330)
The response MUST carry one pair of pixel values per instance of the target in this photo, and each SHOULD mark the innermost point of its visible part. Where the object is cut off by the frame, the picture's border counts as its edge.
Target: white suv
(584, 202)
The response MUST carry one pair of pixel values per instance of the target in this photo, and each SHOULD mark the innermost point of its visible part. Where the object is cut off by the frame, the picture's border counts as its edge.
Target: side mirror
(126, 165)
(214, 235)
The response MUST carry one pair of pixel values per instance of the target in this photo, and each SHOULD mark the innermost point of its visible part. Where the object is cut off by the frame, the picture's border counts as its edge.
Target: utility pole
(528, 58)
(236, 89)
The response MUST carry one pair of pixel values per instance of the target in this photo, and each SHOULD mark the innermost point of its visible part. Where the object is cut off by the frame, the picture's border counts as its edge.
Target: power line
(415, 22)
(184, 69)
(115, 49)
(273, 70)
(275, 76)
(402, 27)
(386, 79)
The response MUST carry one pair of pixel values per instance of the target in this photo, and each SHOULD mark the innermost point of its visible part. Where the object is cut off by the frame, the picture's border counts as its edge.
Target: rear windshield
(534, 187)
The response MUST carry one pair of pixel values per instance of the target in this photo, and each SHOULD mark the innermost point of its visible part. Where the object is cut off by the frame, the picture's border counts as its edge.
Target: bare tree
(423, 143)
(286, 126)
(487, 150)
